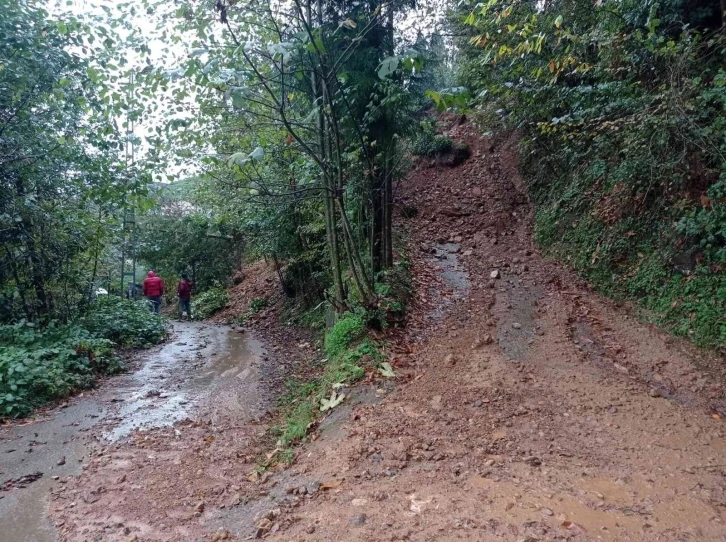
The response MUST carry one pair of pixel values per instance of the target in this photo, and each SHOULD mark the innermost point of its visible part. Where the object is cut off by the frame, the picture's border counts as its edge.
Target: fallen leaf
(331, 485)
(334, 401)
(386, 370)
(716, 416)
(418, 505)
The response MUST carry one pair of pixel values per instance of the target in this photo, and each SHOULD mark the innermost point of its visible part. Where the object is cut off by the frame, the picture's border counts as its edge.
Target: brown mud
(525, 407)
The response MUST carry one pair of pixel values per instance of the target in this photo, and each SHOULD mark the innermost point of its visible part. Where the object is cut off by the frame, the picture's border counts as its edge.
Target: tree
(62, 185)
(302, 106)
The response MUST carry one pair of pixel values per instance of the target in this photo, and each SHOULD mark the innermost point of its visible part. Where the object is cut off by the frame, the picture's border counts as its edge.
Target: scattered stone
(221, 535)
(547, 512)
(199, 507)
(359, 502)
(495, 274)
(450, 360)
(310, 529)
(61, 461)
(517, 325)
(481, 341)
(358, 520)
(533, 461)
(477, 403)
(654, 392)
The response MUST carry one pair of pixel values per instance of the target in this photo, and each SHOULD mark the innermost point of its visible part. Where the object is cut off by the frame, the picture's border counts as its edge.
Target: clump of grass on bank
(349, 353)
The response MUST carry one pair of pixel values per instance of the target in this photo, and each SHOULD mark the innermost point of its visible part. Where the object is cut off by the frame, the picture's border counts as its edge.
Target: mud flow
(201, 366)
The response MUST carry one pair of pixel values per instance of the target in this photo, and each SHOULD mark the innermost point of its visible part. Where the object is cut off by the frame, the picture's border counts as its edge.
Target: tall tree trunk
(387, 170)
(388, 214)
(329, 192)
(377, 222)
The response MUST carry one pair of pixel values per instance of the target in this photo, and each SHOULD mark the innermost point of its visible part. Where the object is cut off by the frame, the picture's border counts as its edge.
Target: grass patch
(208, 302)
(256, 306)
(350, 354)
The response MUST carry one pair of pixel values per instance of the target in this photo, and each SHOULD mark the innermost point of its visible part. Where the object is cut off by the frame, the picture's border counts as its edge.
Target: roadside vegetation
(620, 113)
(49, 361)
(306, 118)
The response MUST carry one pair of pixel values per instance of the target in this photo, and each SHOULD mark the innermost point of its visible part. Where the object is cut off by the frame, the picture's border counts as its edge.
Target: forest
(200, 136)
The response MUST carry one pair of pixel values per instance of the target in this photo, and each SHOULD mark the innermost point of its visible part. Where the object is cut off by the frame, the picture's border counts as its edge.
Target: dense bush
(127, 323)
(38, 365)
(207, 303)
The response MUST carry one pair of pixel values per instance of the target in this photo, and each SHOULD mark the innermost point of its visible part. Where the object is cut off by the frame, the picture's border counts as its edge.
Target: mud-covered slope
(528, 407)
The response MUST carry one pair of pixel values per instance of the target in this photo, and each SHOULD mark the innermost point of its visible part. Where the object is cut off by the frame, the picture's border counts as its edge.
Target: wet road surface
(202, 365)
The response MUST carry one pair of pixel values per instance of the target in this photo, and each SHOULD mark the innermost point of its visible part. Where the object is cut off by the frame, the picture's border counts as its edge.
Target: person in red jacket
(153, 288)
(184, 290)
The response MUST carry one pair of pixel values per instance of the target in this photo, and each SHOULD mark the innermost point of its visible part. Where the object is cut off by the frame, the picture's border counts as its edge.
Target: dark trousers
(155, 303)
(185, 305)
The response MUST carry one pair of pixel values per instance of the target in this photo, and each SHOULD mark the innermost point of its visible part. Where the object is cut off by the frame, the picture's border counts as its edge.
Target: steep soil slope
(528, 408)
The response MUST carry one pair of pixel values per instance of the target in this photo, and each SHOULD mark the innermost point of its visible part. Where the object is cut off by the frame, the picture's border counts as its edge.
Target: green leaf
(388, 67)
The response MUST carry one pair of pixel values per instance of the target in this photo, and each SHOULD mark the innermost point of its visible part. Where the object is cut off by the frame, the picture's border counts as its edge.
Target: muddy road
(202, 368)
(525, 408)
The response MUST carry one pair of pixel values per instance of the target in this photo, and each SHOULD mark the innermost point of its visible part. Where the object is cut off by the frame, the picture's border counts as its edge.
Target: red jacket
(153, 285)
(185, 289)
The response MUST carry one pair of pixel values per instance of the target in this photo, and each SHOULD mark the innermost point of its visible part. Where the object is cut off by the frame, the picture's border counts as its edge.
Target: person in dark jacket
(153, 288)
(184, 290)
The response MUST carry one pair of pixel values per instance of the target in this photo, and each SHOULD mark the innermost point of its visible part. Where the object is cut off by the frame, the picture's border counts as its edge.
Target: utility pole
(129, 219)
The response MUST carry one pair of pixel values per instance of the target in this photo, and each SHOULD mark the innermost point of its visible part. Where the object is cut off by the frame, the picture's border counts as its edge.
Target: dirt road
(525, 408)
(203, 368)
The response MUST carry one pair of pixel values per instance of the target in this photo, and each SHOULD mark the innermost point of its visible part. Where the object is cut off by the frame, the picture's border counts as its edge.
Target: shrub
(209, 302)
(125, 322)
(39, 365)
(343, 333)
(430, 144)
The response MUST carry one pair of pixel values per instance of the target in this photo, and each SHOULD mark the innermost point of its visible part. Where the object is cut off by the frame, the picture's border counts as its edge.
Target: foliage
(126, 323)
(39, 365)
(346, 330)
(63, 188)
(301, 115)
(620, 110)
(207, 303)
(428, 143)
(177, 237)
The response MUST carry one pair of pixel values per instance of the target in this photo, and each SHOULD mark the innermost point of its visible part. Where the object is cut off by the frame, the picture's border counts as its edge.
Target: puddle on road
(454, 276)
(209, 366)
(207, 361)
